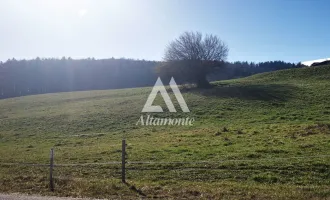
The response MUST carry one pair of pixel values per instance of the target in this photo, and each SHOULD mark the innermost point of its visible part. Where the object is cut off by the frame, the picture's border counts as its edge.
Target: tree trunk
(202, 82)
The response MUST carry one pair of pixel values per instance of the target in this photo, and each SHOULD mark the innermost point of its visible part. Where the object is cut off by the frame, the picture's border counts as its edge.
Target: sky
(254, 30)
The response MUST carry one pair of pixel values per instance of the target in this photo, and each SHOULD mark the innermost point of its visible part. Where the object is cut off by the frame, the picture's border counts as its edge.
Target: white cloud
(309, 63)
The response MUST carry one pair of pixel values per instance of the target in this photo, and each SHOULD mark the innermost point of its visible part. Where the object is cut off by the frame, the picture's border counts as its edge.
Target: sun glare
(77, 7)
(82, 12)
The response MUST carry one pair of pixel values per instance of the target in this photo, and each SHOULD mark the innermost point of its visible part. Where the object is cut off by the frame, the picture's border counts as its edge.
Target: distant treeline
(315, 64)
(242, 69)
(38, 76)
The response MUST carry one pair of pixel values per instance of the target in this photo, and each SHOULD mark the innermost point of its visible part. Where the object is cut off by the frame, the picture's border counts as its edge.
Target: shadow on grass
(269, 92)
(134, 189)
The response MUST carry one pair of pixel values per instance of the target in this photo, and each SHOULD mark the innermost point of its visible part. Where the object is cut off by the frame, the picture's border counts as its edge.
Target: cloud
(309, 63)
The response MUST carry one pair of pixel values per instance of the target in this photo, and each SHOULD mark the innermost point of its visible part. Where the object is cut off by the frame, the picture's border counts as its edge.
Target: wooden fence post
(123, 161)
(51, 166)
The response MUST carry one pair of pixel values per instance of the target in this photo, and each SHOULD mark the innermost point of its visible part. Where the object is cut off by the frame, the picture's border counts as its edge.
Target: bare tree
(194, 56)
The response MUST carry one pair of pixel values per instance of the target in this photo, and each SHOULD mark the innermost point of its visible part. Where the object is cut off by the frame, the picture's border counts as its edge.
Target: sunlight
(82, 12)
(76, 7)
(81, 8)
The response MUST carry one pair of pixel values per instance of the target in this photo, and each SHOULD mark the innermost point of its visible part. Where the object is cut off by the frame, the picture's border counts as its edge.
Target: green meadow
(266, 136)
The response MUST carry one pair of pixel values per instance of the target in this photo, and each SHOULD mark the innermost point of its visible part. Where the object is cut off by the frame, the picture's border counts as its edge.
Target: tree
(45, 75)
(192, 56)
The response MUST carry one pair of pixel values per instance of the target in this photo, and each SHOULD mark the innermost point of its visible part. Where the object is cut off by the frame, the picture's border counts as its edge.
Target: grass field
(263, 137)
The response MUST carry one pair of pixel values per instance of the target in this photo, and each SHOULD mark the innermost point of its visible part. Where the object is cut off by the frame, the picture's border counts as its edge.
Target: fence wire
(167, 163)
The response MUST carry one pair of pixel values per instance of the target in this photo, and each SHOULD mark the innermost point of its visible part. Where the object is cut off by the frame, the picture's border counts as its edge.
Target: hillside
(270, 131)
(52, 75)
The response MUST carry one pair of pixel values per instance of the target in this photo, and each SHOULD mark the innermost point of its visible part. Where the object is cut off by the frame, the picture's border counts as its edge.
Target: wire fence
(172, 162)
(132, 167)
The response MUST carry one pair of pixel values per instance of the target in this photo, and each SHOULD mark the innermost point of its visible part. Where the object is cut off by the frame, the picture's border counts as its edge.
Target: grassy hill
(263, 137)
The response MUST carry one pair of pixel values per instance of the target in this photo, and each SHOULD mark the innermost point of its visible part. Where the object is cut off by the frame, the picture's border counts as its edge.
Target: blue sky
(255, 30)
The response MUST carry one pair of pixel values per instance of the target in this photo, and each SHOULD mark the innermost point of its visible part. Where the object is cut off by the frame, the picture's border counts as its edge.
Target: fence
(190, 166)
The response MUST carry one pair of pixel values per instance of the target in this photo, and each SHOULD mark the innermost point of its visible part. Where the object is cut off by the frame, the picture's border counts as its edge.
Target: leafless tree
(196, 54)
